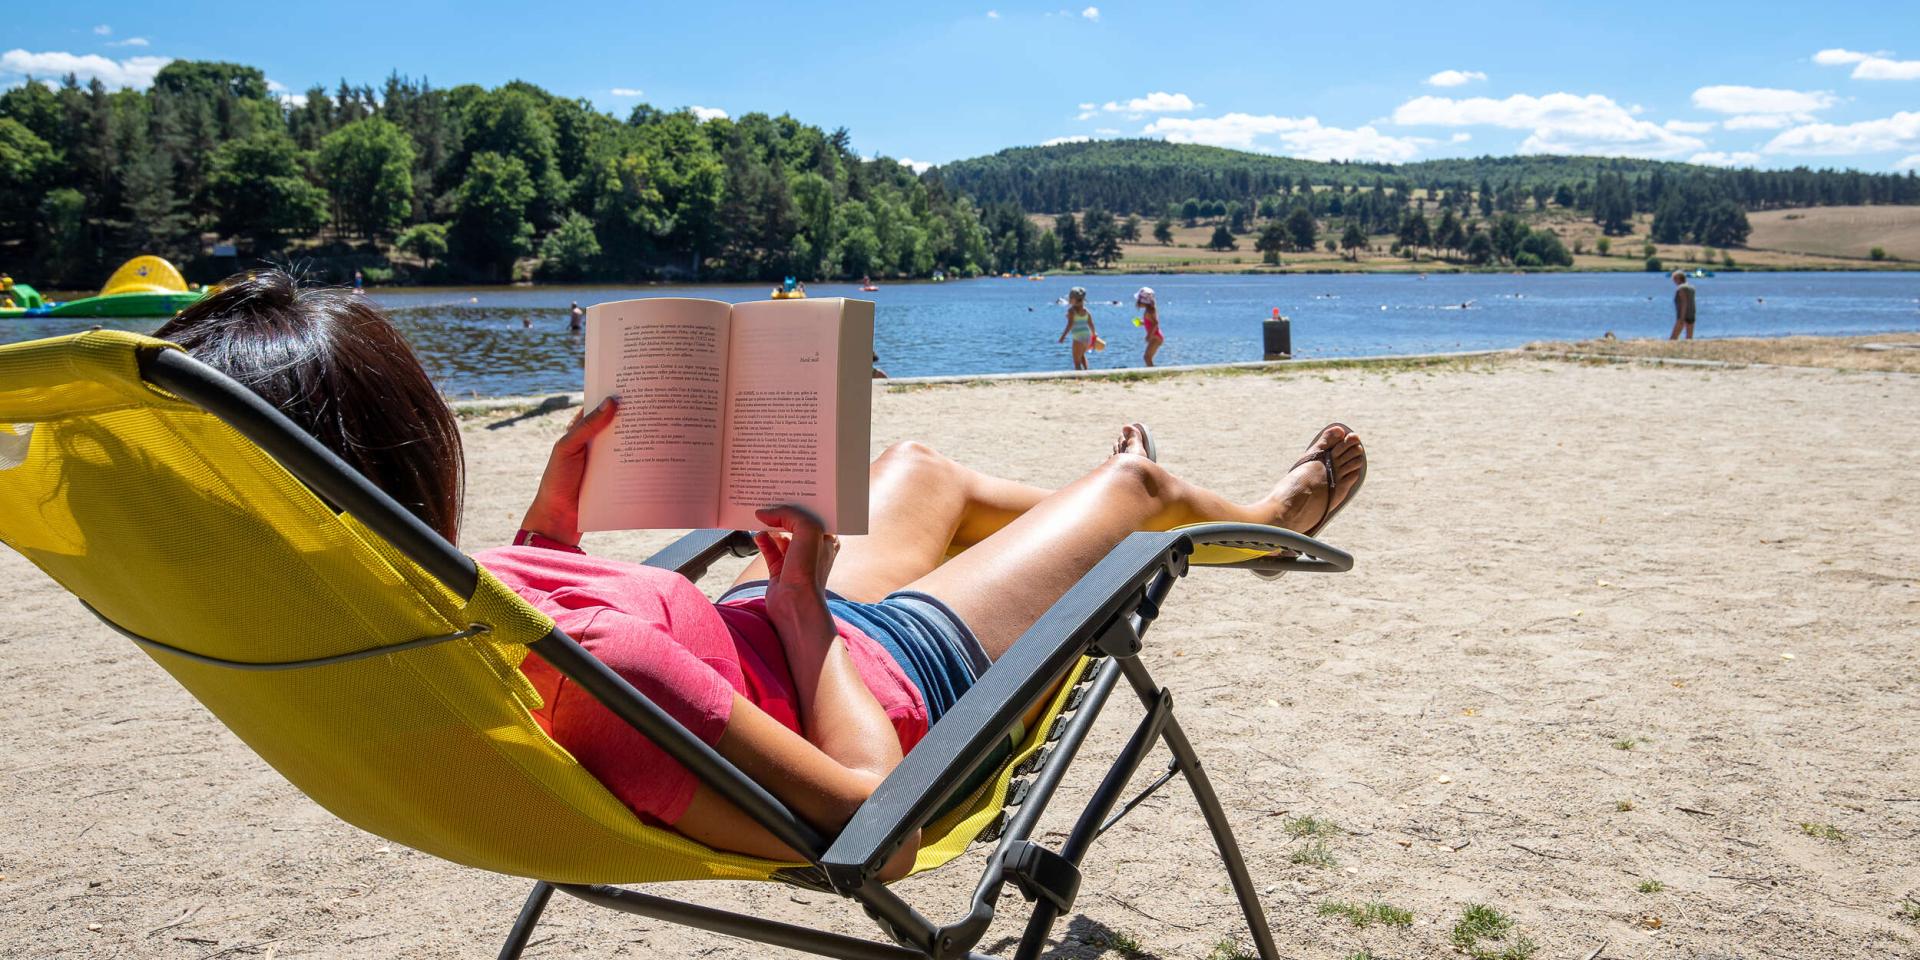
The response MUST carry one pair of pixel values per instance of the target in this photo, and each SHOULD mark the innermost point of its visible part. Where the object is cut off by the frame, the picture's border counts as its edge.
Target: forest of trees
(463, 183)
(1145, 177)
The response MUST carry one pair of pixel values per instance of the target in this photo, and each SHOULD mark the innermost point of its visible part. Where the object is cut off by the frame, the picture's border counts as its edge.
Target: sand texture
(1611, 625)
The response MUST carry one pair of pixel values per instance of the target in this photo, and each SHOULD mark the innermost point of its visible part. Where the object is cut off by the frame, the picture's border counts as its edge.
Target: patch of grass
(1310, 826)
(1650, 886)
(1485, 933)
(1625, 743)
(1231, 950)
(1623, 805)
(1823, 831)
(1314, 854)
(1361, 955)
(1121, 942)
(1908, 911)
(1367, 914)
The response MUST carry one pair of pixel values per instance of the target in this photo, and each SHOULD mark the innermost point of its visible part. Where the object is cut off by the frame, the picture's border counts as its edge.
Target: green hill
(1145, 176)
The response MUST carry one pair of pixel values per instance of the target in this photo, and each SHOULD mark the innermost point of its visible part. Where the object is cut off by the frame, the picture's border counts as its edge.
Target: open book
(725, 409)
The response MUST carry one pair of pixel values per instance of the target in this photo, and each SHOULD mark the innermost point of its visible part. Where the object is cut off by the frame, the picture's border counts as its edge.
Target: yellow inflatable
(147, 274)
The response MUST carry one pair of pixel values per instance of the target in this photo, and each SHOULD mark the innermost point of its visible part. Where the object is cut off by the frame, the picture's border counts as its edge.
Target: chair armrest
(693, 553)
(1314, 556)
(924, 780)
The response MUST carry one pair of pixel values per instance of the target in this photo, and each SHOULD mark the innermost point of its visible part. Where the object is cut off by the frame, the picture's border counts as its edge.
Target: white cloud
(1836, 56)
(626, 91)
(993, 14)
(1454, 78)
(708, 113)
(1738, 158)
(1461, 137)
(1875, 68)
(136, 72)
(1075, 138)
(103, 30)
(1158, 101)
(917, 166)
(1870, 66)
(1689, 126)
(1730, 98)
(1293, 136)
(1765, 121)
(130, 42)
(1091, 13)
(1908, 163)
(1560, 123)
(1107, 131)
(1898, 132)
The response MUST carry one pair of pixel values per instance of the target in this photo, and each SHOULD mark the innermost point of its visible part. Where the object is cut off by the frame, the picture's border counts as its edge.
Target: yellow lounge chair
(375, 666)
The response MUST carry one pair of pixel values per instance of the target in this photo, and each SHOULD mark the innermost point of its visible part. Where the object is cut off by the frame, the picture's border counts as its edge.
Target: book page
(792, 417)
(658, 466)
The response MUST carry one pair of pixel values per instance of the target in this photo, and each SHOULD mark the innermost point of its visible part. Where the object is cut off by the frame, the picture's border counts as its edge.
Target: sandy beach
(1629, 654)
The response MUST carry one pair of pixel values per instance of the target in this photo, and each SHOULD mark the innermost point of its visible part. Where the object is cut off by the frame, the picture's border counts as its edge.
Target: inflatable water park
(145, 286)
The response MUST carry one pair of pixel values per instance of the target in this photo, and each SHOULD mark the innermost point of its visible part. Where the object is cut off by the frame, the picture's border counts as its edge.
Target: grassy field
(1850, 232)
(1899, 233)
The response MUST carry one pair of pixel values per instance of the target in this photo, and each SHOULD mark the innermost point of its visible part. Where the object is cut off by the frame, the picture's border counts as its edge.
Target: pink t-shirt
(686, 653)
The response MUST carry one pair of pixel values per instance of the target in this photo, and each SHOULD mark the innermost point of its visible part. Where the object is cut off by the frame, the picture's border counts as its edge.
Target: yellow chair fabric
(176, 528)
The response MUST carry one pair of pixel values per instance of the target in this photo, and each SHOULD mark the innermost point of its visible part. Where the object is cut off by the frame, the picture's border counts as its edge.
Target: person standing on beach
(1150, 319)
(1682, 305)
(576, 318)
(1080, 325)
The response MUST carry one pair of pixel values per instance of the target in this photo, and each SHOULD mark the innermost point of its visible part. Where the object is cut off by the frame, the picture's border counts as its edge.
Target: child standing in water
(1080, 325)
(1150, 319)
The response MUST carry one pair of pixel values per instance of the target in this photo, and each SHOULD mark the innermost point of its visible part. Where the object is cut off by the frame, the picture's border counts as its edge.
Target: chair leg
(529, 916)
(1184, 757)
(1217, 823)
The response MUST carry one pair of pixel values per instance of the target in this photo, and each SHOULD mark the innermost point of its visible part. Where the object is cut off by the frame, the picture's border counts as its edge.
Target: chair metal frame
(1104, 616)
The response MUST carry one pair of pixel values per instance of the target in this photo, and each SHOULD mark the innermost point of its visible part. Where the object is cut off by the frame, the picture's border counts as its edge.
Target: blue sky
(1773, 85)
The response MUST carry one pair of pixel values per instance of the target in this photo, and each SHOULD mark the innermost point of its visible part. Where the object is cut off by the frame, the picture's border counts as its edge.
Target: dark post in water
(1277, 334)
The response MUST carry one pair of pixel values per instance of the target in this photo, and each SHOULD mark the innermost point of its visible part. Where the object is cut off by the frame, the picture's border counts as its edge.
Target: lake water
(476, 342)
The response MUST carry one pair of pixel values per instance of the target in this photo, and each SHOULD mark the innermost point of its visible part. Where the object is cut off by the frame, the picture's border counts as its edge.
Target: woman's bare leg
(921, 505)
(1002, 585)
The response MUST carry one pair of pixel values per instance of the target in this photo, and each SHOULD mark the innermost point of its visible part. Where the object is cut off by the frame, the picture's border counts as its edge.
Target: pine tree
(1353, 240)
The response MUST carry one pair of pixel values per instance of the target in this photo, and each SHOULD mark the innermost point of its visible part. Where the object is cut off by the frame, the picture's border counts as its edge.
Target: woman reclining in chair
(829, 658)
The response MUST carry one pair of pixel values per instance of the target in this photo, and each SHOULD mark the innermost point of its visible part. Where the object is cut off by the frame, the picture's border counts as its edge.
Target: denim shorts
(932, 645)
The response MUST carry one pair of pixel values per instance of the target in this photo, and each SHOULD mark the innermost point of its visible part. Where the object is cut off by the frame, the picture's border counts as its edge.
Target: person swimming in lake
(576, 318)
(1150, 319)
(1080, 326)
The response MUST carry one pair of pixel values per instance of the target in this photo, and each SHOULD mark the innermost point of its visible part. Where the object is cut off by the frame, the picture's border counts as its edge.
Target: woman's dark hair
(336, 366)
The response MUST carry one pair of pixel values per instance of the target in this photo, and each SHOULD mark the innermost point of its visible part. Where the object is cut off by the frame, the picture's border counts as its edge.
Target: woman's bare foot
(1301, 502)
(1133, 438)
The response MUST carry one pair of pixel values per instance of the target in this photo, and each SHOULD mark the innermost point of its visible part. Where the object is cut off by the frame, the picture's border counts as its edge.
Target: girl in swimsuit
(1080, 325)
(1150, 319)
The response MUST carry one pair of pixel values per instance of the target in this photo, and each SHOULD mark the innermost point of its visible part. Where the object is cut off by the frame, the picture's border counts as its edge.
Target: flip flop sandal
(1325, 459)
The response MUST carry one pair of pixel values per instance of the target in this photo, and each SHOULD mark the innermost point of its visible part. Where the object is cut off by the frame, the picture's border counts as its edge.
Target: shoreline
(1582, 352)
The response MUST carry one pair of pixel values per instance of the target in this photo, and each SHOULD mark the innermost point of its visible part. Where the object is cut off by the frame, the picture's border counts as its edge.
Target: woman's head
(1143, 297)
(1077, 296)
(339, 370)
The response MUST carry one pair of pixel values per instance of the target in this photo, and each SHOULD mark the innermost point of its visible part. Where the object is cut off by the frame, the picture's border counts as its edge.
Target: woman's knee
(1136, 472)
(910, 457)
